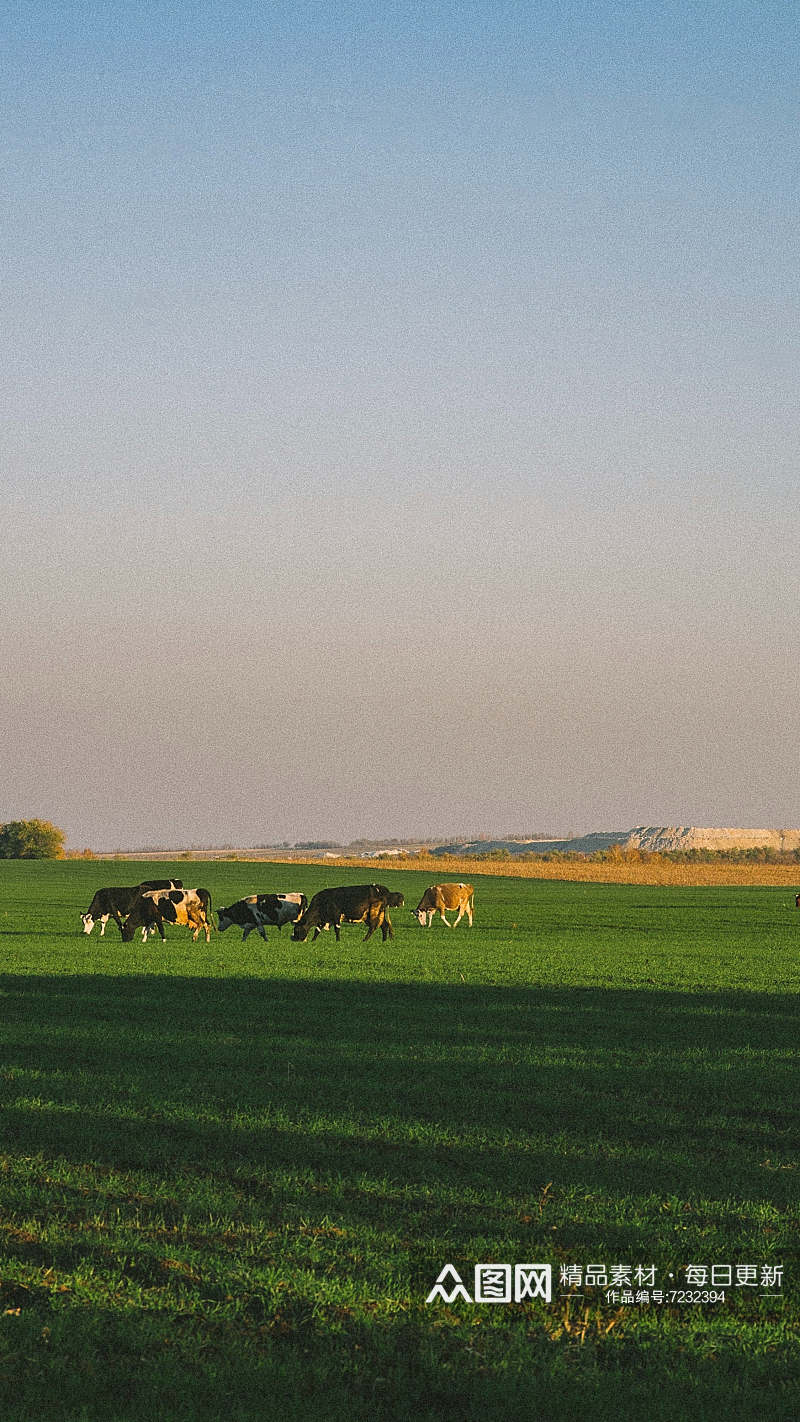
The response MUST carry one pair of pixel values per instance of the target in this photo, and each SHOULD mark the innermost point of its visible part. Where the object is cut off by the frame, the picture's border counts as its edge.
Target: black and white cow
(117, 903)
(262, 910)
(187, 907)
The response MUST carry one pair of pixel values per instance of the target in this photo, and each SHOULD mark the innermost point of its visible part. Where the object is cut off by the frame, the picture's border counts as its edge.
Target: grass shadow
(241, 1133)
(506, 1088)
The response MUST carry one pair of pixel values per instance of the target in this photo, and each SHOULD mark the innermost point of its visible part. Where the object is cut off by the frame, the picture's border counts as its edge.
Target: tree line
(31, 839)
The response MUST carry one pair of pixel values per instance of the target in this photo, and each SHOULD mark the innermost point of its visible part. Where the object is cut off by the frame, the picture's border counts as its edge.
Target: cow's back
(455, 894)
(350, 901)
(115, 900)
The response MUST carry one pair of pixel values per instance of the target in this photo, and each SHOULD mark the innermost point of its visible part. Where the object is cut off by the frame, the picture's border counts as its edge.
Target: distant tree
(31, 839)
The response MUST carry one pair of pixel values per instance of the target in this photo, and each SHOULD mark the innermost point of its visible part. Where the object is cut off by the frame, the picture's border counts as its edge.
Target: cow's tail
(205, 898)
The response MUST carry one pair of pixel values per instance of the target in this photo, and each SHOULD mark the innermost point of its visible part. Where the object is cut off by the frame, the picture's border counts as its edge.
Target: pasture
(230, 1173)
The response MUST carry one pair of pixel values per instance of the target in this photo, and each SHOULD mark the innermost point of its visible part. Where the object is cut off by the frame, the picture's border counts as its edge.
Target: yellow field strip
(656, 871)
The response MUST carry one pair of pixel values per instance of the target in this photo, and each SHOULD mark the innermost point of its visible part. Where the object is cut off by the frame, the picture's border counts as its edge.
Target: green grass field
(230, 1173)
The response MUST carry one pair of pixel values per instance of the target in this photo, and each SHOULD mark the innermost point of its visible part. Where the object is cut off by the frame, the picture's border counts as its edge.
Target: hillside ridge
(660, 839)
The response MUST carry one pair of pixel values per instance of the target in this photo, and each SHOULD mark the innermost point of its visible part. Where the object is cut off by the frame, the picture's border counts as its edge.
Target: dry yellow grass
(651, 871)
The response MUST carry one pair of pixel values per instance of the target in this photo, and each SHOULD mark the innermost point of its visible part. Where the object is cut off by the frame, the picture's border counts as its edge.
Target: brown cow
(445, 896)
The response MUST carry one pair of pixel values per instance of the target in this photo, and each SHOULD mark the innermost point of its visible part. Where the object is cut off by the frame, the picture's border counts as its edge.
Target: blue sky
(411, 389)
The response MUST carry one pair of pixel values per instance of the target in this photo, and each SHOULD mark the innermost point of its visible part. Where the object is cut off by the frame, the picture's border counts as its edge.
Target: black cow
(259, 910)
(362, 903)
(187, 907)
(117, 903)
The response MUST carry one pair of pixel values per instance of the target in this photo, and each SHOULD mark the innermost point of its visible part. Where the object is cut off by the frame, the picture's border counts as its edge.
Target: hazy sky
(400, 416)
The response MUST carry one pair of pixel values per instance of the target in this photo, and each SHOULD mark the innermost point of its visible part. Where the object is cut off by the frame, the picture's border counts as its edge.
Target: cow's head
(223, 921)
(88, 922)
(394, 900)
(300, 930)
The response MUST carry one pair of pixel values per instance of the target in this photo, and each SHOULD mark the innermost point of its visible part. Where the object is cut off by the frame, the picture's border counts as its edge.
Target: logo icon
(457, 1291)
(495, 1283)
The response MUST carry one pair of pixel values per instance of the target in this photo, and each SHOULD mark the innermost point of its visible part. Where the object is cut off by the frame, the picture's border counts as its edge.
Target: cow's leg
(444, 920)
(103, 922)
(337, 932)
(458, 920)
(198, 921)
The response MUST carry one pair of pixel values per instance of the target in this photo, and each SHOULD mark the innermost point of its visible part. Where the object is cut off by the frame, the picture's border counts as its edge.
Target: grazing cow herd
(150, 905)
